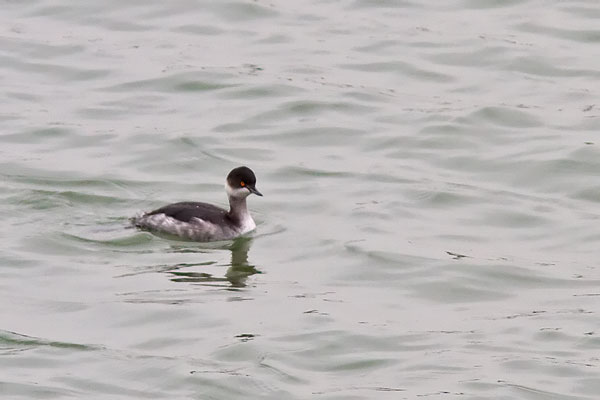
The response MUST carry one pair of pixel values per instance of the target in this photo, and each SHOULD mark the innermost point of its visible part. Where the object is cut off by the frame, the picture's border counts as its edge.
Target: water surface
(430, 224)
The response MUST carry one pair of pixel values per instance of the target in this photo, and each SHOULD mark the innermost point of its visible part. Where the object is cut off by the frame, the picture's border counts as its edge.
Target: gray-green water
(430, 226)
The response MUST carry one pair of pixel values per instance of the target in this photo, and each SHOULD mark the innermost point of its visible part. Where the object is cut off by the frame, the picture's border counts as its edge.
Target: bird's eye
(242, 183)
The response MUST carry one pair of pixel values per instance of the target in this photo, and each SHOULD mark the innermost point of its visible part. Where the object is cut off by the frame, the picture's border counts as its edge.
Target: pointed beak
(254, 190)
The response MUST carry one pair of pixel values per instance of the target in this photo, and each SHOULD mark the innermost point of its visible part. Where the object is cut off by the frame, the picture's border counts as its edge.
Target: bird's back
(186, 210)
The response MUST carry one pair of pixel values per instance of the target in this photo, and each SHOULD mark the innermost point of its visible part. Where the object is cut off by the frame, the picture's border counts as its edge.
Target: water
(430, 224)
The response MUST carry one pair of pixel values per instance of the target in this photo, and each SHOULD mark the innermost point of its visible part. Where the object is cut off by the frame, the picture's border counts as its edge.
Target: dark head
(241, 181)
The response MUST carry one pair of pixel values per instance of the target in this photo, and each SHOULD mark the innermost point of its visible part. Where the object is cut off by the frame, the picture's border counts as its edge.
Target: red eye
(242, 183)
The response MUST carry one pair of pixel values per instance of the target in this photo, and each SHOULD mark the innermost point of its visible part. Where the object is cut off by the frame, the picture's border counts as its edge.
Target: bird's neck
(238, 208)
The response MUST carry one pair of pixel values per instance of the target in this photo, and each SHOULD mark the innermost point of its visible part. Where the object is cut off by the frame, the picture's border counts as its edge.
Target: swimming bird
(204, 222)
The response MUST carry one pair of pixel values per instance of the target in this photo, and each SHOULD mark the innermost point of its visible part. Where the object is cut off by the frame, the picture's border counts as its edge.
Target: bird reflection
(238, 272)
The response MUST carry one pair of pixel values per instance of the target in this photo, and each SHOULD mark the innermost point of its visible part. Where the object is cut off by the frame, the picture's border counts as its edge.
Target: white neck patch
(238, 193)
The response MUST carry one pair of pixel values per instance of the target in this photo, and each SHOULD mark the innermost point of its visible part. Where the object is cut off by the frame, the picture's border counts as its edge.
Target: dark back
(186, 210)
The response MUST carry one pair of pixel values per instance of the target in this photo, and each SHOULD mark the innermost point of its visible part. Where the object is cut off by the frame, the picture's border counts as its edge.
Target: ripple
(179, 82)
(400, 68)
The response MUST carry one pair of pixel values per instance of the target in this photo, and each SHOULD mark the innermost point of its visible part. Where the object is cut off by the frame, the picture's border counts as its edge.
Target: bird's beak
(254, 190)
